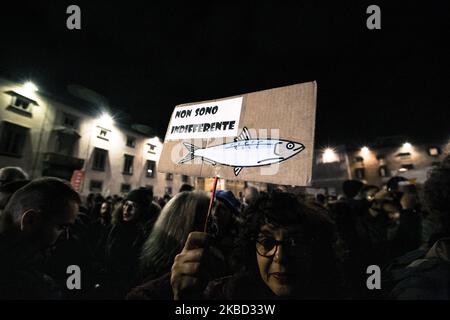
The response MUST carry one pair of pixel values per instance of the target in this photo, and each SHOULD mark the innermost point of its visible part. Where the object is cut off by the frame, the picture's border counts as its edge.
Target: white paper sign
(205, 120)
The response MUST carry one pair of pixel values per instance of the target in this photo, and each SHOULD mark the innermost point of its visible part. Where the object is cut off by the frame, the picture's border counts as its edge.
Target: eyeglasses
(267, 247)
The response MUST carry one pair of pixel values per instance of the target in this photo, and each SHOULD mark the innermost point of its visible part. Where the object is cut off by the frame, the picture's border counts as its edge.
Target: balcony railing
(56, 159)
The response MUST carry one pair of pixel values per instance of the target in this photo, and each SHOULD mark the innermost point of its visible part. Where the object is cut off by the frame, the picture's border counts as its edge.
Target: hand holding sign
(185, 275)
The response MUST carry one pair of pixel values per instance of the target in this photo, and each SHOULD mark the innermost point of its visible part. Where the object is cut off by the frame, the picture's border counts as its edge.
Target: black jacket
(21, 275)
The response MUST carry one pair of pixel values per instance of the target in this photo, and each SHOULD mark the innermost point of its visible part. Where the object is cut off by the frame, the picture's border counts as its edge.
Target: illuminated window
(150, 169)
(434, 151)
(128, 164)
(406, 167)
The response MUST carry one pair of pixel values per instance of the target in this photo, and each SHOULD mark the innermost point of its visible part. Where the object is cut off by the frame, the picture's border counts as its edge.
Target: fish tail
(190, 156)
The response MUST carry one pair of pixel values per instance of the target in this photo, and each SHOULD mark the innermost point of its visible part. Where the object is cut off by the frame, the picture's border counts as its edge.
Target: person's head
(98, 198)
(386, 203)
(41, 211)
(436, 192)
(394, 183)
(225, 213)
(287, 242)
(186, 187)
(251, 194)
(351, 188)
(229, 200)
(368, 192)
(134, 207)
(184, 213)
(8, 189)
(11, 174)
(106, 210)
(321, 199)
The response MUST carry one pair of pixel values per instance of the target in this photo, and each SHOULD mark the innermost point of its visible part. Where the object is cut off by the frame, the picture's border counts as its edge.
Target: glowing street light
(329, 155)
(30, 87)
(105, 119)
(407, 146)
(365, 150)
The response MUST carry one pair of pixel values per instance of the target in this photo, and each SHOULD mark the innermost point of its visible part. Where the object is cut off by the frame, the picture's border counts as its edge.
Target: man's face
(58, 226)
(287, 266)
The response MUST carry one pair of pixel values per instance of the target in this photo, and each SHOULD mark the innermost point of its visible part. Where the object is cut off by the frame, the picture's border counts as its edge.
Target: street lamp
(105, 119)
(407, 146)
(329, 155)
(30, 87)
(365, 150)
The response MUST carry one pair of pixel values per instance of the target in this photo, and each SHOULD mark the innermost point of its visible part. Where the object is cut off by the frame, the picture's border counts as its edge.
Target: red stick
(211, 202)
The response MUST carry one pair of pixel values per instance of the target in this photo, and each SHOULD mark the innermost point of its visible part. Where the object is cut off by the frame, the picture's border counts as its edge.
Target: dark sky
(147, 57)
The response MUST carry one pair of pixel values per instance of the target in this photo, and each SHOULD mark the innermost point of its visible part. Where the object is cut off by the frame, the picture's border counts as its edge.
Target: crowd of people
(259, 245)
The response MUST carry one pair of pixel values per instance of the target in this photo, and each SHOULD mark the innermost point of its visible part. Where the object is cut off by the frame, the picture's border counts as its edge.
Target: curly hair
(436, 191)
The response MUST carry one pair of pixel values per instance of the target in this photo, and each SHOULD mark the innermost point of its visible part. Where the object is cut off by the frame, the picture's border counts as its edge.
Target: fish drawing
(244, 152)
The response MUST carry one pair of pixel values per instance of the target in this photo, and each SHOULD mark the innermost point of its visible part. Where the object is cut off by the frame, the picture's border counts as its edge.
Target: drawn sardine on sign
(244, 152)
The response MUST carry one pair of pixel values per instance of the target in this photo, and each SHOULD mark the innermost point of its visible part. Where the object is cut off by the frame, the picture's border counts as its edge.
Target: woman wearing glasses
(285, 250)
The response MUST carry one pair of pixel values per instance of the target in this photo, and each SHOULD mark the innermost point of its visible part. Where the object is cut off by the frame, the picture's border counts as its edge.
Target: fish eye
(290, 146)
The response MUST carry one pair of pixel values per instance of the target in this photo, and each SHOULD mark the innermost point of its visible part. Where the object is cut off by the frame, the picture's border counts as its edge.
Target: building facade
(397, 156)
(377, 162)
(47, 137)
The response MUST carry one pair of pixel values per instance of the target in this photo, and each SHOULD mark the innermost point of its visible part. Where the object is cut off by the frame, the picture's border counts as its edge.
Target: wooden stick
(211, 202)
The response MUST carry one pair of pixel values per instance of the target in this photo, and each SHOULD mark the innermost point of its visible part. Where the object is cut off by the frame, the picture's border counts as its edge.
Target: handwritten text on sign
(205, 120)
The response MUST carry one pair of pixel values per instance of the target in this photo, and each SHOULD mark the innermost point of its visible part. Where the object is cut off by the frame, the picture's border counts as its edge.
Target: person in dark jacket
(99, 227)
(428, 276)
(36, 216)
(124, 243)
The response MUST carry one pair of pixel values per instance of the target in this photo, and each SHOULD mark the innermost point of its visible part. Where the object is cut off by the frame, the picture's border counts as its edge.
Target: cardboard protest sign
(265, 136)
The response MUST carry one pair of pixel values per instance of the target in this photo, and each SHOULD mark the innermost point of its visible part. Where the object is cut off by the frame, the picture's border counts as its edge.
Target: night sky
(148, 57)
